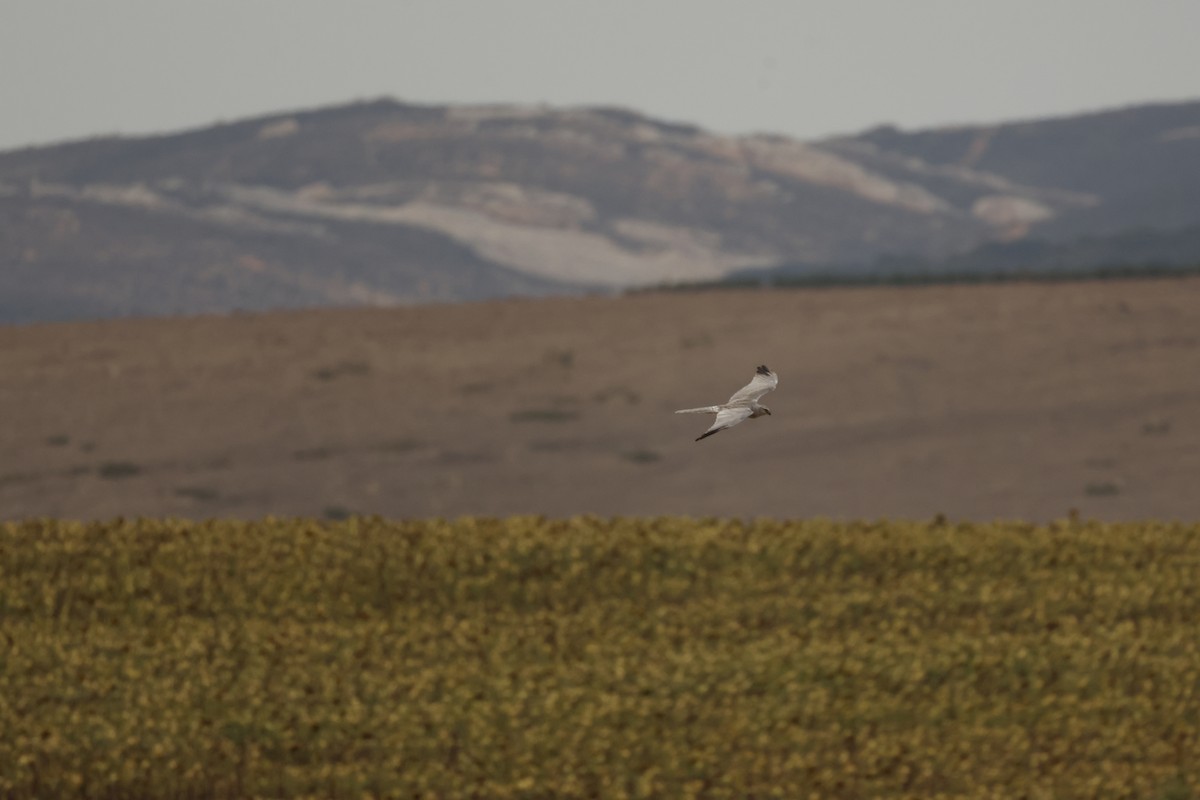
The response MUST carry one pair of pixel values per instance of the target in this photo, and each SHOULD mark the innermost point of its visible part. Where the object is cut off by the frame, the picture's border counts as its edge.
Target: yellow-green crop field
(588, 657)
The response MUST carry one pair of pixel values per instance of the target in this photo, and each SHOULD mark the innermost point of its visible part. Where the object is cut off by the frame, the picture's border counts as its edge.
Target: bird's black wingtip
(708, 433)
(762, 370)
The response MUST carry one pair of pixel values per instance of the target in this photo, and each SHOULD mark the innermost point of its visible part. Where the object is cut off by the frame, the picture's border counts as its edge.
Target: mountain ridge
(385, 202)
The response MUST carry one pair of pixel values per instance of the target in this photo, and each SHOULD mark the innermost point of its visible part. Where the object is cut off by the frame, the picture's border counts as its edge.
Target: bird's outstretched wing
(727, 418)
(763, 381)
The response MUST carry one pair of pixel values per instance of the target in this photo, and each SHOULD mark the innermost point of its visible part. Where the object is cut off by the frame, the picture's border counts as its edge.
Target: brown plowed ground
(1016, 400)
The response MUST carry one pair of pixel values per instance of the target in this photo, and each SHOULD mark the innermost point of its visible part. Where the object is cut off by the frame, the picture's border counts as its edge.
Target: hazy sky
(72, 68)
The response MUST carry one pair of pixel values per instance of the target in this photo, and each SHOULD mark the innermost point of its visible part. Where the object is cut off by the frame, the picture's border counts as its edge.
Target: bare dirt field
(980, 402)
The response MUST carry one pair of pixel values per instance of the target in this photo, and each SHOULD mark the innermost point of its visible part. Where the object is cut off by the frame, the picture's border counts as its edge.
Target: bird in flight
(743, 405)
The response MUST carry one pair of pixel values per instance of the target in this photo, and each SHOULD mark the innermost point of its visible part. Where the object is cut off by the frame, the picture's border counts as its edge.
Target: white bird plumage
(742, 405)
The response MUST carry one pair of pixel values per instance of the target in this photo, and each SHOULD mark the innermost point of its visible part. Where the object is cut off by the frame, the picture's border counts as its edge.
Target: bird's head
(766, 411)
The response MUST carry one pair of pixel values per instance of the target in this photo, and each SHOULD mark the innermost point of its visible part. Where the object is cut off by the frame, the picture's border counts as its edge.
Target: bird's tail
(705, 410)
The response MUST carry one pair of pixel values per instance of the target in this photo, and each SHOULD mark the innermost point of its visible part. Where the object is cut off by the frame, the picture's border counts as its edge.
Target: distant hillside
(1135, 167)
(72, 258)
(388, 203)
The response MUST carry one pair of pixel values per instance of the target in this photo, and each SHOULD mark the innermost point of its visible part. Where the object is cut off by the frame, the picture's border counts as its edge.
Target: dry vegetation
(620, 658)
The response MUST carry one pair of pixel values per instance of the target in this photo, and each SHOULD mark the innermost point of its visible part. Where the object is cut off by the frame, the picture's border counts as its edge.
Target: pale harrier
(743, 405)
